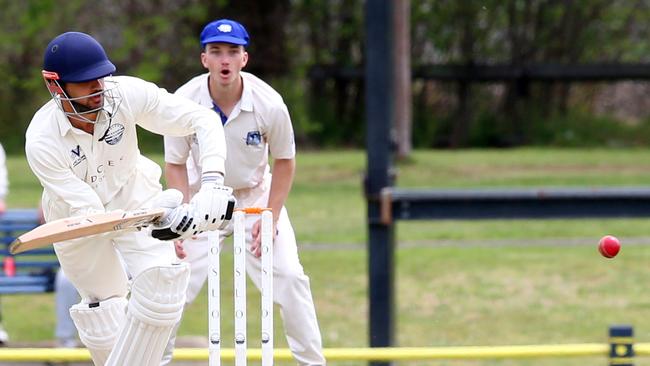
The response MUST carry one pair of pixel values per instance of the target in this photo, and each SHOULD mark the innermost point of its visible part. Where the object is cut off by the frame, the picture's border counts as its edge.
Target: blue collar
(223, 116)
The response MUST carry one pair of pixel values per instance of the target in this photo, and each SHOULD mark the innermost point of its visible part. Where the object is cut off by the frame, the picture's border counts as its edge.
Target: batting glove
(178, 220)
(213, 204)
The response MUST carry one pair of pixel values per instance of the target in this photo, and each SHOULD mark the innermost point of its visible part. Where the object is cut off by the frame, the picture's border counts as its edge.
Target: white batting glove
(213, 204)
(178, 220)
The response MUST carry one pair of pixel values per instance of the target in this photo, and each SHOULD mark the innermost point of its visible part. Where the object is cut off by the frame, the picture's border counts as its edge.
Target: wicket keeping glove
(213, 204)
(178, 220)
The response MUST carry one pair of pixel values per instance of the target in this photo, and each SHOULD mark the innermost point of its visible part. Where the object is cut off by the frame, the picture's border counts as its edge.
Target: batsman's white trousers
(291, 290)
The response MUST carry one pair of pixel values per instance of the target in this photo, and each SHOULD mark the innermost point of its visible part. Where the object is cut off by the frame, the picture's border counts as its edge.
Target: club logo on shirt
(113, 134)
(254, 138)
(226, 28)
(77, 156)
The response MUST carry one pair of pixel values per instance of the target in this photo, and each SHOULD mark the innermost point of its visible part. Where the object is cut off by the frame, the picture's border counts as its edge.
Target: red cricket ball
(609, 246)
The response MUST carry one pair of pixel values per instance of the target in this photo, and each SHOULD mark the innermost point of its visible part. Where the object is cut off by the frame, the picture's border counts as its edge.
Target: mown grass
(492, 282)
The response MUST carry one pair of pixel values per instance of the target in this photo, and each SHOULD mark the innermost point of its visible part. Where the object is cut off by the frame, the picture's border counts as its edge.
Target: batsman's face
(224, 61)
(88, 93)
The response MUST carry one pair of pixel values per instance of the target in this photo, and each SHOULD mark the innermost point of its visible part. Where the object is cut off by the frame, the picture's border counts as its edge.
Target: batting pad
(99, 324)
(155, 306)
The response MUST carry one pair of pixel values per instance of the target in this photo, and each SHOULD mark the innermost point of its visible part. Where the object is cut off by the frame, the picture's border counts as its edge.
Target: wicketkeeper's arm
(176, 176)
(283, 173)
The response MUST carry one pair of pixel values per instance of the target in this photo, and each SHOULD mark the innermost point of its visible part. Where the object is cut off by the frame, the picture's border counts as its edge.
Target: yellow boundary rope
(351, 354)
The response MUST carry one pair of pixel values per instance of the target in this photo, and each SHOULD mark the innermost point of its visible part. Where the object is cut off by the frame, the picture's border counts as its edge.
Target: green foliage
(485, 131)
(293, 93)
(519, 33)
(579, 129)
(158, 41)
(429, 129)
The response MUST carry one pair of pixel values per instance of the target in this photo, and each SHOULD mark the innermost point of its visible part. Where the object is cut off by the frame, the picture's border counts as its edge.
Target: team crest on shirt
(77, 156)
(253, 138)
(113, 134)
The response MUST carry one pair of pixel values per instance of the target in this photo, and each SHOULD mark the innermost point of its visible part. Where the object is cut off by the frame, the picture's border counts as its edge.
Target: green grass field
(492, 282)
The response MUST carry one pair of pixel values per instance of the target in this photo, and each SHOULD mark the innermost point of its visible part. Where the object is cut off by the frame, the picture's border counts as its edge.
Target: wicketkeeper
(257, 124)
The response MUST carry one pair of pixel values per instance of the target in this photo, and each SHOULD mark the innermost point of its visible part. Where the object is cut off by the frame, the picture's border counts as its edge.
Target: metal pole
(379, 116)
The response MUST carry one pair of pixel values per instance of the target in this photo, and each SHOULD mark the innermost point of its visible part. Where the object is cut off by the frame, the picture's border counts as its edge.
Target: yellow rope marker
(346, 354)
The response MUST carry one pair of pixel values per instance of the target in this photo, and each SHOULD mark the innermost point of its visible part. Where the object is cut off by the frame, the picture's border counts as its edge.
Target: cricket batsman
(82, 146)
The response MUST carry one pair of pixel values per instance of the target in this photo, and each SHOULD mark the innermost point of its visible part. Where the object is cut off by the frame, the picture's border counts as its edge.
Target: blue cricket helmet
(76, 57)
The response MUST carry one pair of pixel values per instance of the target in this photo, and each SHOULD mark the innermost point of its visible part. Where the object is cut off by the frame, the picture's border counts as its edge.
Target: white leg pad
(155, 306)
(168, 353)
(99, 325)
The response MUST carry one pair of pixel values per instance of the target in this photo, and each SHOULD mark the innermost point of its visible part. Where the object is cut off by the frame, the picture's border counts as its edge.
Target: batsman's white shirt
(82, 173)
(258, 124)
(88, 172)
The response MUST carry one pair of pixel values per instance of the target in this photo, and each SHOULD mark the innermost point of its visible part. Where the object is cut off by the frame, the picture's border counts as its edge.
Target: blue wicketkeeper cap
(226, 31)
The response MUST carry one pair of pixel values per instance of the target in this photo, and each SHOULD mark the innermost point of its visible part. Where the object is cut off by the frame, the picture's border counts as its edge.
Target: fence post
(621, 350)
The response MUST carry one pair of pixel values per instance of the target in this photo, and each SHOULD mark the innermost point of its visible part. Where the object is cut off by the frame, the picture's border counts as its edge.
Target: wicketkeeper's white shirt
(82, 173)
(258, 124)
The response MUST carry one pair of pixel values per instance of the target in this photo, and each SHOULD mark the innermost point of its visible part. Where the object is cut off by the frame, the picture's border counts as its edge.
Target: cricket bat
(81, 226)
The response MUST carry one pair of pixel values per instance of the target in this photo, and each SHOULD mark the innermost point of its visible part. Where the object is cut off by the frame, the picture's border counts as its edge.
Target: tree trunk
(402, 82)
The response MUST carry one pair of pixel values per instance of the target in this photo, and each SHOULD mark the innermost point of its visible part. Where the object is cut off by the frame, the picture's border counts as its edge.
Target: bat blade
(82, 226)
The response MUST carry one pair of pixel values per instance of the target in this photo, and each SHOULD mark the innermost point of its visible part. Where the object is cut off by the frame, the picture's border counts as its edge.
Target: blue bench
(35, 271)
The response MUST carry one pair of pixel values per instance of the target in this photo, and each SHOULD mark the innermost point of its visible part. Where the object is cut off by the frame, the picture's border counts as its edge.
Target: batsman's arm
(173, 115)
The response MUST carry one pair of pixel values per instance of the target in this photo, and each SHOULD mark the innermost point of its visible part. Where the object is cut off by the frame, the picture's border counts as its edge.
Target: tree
(403, 86)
